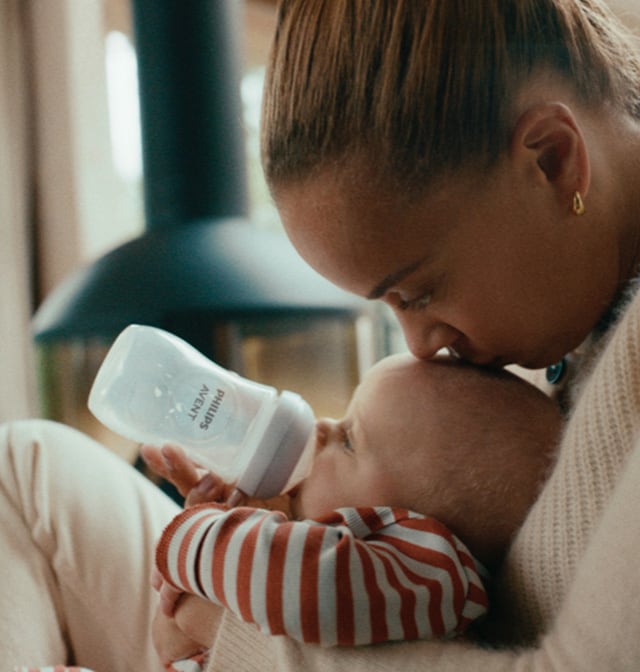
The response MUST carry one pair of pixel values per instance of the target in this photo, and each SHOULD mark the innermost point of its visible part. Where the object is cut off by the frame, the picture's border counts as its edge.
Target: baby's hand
(169, 596)
(171, 463)
(199, 486)
(170, 642)
(196, 485)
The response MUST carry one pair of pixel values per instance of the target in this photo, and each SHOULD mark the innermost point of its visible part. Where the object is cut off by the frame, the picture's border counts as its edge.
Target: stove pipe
(192, 135)
(199, 256)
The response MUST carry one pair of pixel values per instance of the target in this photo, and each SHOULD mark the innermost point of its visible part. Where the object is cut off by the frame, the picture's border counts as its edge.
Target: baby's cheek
(316, 495)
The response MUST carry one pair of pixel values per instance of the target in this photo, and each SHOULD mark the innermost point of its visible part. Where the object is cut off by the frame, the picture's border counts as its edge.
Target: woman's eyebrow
(393, 278)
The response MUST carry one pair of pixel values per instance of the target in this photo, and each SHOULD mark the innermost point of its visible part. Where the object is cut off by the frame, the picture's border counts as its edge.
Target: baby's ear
(548, 137)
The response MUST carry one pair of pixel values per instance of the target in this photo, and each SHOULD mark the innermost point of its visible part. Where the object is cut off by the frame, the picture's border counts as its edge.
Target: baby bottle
(155, 388)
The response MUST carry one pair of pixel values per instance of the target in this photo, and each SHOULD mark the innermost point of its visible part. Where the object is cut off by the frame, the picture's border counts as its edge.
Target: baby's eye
(346, 441)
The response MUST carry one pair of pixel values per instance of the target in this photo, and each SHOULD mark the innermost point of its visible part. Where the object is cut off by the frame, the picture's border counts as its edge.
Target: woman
(475, 165)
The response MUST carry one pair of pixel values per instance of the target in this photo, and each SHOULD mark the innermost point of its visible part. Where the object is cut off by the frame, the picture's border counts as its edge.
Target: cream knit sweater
(573, 571)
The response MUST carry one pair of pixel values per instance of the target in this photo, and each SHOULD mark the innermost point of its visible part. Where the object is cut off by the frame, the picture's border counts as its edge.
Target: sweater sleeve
(358, 576)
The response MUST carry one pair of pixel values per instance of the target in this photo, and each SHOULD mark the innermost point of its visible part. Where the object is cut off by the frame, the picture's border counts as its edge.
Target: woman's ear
(548, 137)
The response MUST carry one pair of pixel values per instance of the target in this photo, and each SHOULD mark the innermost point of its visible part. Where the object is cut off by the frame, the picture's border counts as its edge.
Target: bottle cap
(280, 452)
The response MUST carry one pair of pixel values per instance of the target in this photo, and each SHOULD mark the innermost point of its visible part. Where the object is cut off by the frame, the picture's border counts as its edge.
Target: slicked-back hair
(422, 86)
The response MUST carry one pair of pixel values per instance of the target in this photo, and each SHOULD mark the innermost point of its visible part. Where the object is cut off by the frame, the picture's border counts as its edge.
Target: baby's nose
(324, 427)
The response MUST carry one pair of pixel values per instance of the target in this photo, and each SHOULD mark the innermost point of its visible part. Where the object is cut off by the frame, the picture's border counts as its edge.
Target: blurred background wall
(71, 173)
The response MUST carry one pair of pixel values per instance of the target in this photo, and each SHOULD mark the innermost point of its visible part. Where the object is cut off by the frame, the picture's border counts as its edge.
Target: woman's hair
(420, 86)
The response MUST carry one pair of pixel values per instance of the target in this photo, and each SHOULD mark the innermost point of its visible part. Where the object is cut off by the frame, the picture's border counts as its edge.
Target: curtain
(17, 396)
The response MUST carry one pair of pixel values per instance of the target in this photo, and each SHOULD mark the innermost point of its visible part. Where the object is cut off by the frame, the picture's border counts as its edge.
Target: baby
(412, 499)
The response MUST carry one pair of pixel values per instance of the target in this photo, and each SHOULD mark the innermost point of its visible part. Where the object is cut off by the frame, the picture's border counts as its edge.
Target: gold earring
(578, 204)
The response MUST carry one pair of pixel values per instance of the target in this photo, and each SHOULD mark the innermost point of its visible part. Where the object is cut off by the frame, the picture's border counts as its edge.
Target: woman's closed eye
(419, 303)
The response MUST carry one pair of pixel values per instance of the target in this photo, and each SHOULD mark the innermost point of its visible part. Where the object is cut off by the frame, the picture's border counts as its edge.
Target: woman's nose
(425, 336)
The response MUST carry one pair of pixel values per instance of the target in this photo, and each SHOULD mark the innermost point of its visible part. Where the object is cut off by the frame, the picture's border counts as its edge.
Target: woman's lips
(478, 359)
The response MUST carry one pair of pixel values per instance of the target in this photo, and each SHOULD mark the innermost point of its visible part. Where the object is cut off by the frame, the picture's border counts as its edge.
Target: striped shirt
(355, 576)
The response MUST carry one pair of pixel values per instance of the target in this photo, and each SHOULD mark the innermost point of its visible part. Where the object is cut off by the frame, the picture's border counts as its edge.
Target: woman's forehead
(360, 244)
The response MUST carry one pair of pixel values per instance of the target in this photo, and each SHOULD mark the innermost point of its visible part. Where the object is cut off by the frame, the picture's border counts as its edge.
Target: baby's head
(465, 445)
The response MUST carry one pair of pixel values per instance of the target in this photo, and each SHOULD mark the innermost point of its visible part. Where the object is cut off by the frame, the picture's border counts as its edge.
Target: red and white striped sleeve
(357, 576)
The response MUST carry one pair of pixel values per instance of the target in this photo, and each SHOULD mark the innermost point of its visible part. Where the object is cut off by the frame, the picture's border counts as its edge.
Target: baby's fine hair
(502, 435)
(423, 86)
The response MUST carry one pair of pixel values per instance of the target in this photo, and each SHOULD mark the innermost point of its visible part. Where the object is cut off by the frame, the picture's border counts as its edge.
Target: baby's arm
(326, 584)
(197, 486)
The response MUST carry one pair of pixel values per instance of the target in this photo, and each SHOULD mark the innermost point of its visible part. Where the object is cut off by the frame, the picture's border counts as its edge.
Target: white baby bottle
(155, 388)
